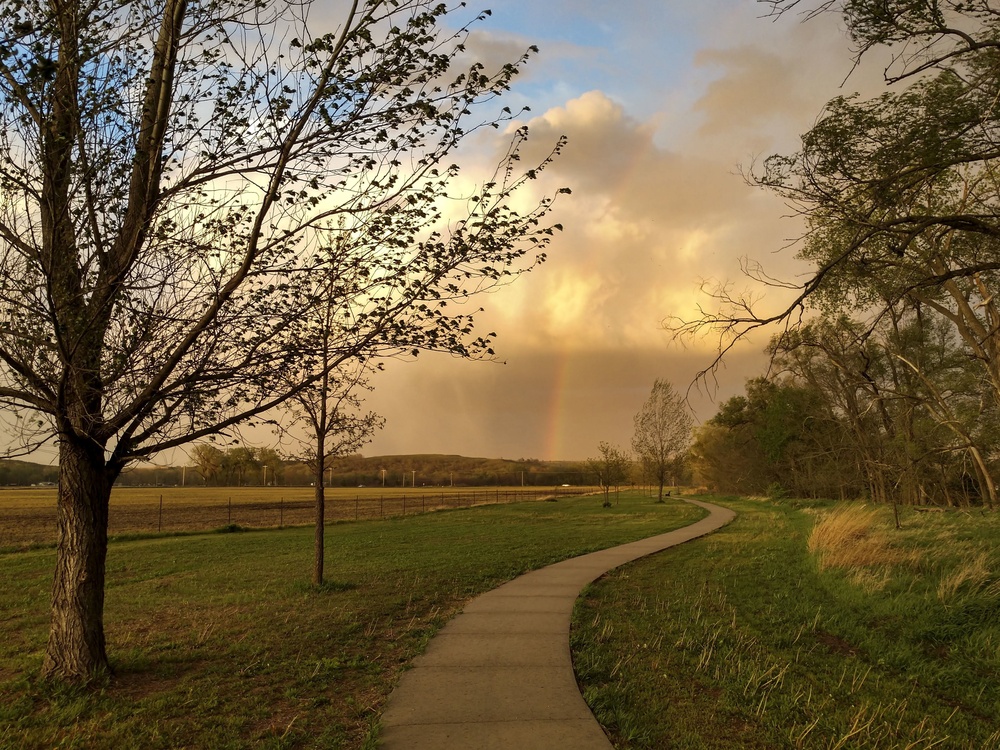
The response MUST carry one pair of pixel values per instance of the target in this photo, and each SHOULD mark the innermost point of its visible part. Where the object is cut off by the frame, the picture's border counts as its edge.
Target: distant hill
(431, 470)
(441, 470)
(26, 473)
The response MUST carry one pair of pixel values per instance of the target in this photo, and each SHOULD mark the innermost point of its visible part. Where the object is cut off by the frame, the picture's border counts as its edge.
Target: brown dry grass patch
(854, 538)
(971, 575)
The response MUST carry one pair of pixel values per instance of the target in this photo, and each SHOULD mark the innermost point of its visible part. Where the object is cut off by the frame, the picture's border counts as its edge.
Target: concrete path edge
(500, 674)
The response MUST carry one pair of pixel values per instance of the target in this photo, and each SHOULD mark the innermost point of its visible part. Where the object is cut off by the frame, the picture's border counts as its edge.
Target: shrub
(775, 491)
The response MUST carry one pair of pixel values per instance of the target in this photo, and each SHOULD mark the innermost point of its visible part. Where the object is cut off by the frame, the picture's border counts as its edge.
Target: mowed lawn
(218, 640)
(802, 625)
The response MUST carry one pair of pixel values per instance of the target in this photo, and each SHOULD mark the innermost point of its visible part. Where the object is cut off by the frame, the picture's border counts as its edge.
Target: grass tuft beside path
(802, 625)
(218, 640)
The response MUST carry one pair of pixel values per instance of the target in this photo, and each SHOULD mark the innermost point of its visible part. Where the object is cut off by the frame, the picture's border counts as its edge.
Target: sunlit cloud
(660, 212)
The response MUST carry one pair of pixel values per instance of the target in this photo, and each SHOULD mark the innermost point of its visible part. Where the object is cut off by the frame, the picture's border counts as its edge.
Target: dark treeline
(15, 473)
(886, 382)
(776, 440)
(446, 470)
(898, 411)
(255, 467)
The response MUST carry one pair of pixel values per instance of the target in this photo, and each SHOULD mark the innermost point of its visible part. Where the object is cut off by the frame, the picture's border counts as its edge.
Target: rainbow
(555, 421)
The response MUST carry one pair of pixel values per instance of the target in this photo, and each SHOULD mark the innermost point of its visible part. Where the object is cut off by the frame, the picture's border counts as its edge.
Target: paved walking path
(499, 676)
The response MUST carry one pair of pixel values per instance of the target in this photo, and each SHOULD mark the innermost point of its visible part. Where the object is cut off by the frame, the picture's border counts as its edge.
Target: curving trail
(500, 675)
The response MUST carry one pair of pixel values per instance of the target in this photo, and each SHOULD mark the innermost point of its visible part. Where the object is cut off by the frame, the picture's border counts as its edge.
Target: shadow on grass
(327, 587)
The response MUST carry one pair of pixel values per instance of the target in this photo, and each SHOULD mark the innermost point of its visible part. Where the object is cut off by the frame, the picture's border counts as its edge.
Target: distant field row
(35, 497)
(28, 516)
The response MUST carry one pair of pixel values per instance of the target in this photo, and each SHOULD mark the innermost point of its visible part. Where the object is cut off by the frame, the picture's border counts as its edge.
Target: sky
(665, 105)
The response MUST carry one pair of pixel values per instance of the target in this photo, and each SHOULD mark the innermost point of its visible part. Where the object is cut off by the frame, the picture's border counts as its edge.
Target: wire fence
(25, 526)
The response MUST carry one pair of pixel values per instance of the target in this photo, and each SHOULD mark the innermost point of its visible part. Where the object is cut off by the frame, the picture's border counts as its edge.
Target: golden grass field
(27, 515)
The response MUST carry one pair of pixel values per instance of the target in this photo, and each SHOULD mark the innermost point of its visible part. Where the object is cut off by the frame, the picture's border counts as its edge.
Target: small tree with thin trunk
(330, 411)
(611, 468)
(662, 432)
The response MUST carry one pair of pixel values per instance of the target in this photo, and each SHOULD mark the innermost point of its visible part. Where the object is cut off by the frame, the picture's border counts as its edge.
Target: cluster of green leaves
(778, 438)
(920, 420)
(236, 466)
(894, 413)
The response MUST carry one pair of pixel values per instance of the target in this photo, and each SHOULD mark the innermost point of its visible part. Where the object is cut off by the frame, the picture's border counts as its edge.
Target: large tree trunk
(76, 649)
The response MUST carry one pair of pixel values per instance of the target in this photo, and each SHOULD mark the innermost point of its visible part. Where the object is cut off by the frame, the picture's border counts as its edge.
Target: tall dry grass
(853, 537)
(971, 575)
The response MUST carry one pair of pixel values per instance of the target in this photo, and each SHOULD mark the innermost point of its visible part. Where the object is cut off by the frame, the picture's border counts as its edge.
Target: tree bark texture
(76, 647)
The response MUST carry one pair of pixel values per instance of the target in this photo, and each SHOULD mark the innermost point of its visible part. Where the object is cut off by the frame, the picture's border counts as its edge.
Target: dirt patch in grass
(835, 644)
(135, 684)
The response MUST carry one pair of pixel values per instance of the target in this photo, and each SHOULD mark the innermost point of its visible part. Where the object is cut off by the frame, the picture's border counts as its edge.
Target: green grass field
(217, 640)
(799, 627)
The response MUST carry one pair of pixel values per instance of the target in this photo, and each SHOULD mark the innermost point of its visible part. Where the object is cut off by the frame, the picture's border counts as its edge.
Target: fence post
(422, 504)
(159, 520)
(229, 517)
(357, 501)
(381, 507)
(404, 505)
(281, 513)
